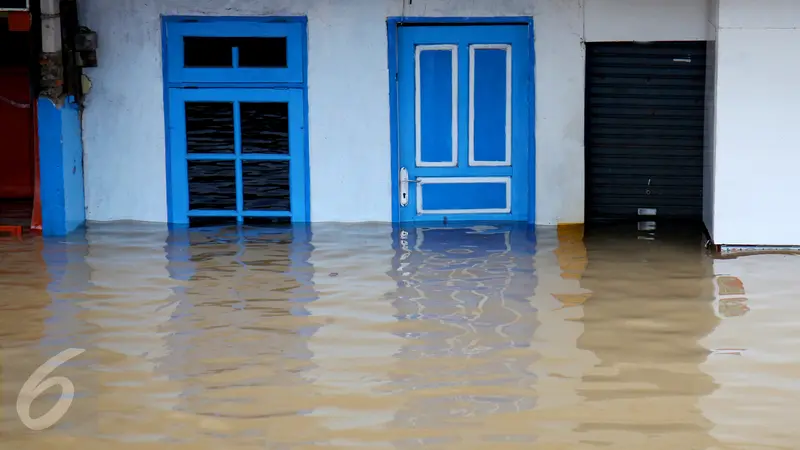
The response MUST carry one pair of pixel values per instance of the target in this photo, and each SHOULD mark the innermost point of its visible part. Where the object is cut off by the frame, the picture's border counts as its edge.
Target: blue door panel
(464, 136)
(436, 146)
(491, 145)
(487, 195)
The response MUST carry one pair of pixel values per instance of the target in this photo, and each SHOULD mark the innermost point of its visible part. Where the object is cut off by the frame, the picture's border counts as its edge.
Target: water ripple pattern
(390, 337)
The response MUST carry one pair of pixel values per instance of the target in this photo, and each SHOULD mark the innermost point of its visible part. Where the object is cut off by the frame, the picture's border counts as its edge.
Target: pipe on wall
(52, 74)
(51, 26)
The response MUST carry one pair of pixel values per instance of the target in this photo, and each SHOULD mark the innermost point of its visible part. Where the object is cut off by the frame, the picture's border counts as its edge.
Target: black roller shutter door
(644, 130)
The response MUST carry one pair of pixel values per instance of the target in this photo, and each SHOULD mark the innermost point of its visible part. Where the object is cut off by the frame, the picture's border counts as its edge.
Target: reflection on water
(370, 336)
(463, 301)
(756, 344)
(650, 305)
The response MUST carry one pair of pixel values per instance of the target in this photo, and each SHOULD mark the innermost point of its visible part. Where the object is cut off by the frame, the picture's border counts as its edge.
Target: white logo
(37, 384)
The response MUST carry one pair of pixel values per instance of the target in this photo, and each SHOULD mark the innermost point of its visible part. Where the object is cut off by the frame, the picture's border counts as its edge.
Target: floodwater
(365, 336)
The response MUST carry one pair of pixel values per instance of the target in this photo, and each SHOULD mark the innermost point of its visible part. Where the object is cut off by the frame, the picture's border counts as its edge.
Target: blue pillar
(60, 167)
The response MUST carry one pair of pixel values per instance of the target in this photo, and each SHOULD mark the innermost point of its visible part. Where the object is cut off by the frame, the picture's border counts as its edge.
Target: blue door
(464, 123)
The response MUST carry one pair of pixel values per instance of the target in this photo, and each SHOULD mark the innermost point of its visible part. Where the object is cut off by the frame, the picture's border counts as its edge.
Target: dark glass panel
(265, 128)
(209, 127)
(266, 185)
(212, 185)
(207, 52)
(199, 222)
(262, 52)
(217, 52)
(266, 221)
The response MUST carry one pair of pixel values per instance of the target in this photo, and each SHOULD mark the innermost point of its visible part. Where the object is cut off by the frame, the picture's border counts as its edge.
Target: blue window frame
(210, 31)
(255, 174)
(236, 114)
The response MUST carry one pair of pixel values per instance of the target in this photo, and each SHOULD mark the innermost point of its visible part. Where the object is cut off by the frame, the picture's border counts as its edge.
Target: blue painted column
(61, 167)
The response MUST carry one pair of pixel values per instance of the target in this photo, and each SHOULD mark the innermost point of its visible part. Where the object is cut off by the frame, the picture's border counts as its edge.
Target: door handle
(404, 180)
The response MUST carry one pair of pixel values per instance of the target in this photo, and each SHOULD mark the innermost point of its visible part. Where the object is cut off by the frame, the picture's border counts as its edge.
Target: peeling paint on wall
(52, 78)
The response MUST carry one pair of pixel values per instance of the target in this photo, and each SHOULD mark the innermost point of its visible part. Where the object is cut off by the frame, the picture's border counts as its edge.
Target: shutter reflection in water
(649, 309)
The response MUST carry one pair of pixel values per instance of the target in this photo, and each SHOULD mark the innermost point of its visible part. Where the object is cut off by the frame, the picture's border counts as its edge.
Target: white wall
(757, 133)
(124, 124)
(645, 20)
(709, 143)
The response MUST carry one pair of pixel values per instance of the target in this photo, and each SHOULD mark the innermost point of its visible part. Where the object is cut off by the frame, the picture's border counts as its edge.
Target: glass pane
(207, 52)
(266, 185)
(262, 52)
(197, 222)
(212, 185)
(209, 128)
(265, 221)
(217, 52)
(265, 128)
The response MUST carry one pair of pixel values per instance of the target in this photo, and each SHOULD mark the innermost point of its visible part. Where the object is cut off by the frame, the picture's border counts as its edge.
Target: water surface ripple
(369, 336)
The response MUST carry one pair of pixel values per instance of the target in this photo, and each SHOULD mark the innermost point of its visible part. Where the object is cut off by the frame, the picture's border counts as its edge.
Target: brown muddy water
(365, 336)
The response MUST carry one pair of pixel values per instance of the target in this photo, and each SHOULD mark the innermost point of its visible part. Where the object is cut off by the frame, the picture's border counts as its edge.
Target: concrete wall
(124, 124)
(710, 125)
(61, 167)
(757, 133)
(645, 20)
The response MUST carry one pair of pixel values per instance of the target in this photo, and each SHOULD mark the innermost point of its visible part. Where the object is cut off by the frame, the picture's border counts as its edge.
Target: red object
(13, 230)
(16, 133)
(19, 21)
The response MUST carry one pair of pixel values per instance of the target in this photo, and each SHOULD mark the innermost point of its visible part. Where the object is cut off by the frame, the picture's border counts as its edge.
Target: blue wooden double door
(464, 110)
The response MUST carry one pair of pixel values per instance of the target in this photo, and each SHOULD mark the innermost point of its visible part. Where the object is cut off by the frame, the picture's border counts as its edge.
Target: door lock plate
(404, 187)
